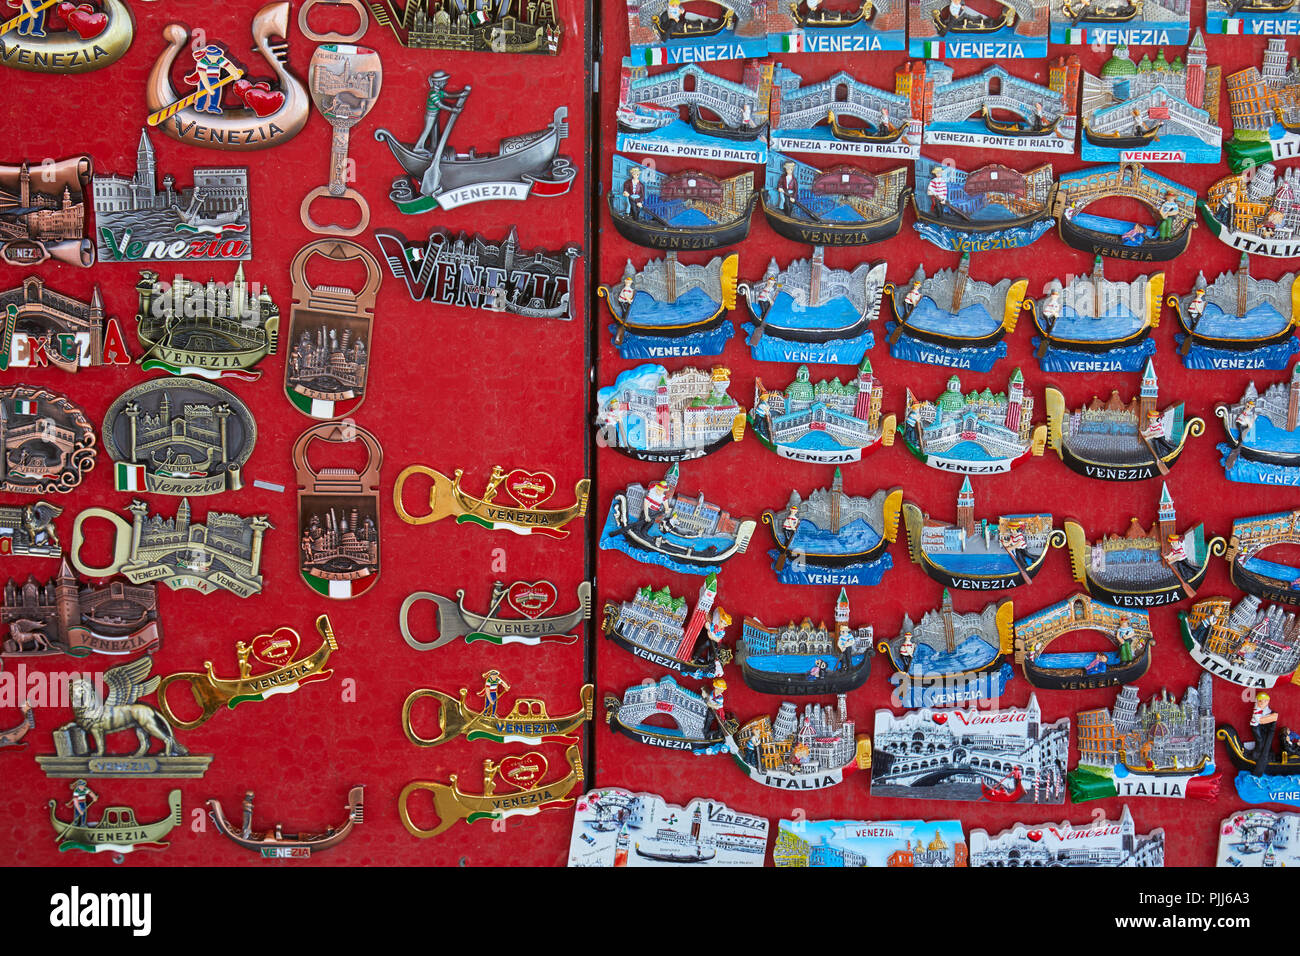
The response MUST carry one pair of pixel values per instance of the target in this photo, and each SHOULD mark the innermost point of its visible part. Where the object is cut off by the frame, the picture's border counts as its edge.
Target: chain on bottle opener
(344, 81)
(47, 444)
(527, 723)
(268, 666)
(57, 36)
(363, 22)
(57, 330)
(329, 334)
(338, 515)
(275, 844)
(532, 599)
(48, 217)
(117, 831)
(529, 490)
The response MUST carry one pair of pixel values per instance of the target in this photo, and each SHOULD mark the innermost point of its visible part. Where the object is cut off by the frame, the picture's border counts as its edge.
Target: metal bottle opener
(363, 22)
(338, 515)
(533, 600)
(528, 721)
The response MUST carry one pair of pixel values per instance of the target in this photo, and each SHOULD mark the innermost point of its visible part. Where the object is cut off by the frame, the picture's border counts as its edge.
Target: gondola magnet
(47, 444)
(58, 36)
(832, 537)
(338, 514)
(1261, 430)
(954, 30)
(527, 722)
(697, 717)
(654, 627)
(776, 751)
(668, 31)
(992, 207)
(827, 422)
(526, 492)
(668, 308)
(800, 660)
(1254, 211)
(1095, 324)
(274, 843)
(836, 27)
(1170, 204)
(1268, 767)
(979, 433)
(691, 209)
(948, 659)
(1120, 22)
(1237, 321)
(1252, 17)
(1126, 660)
(117, 830)
(1248, 569)
(519, 614)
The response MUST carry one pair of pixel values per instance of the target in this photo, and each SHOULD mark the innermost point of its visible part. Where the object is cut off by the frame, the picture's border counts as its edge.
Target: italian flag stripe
(934, 49)
(315, 407)
(24, 407)
(655, 55)
(1076, 37)
(129, 477)
(330, 589)
(792, 43)
(1230, 25)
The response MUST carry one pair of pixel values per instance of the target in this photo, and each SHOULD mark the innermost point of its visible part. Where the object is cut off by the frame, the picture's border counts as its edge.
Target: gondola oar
(1011, 553)
(1160, 465)
(1045, 344)
(756, 336)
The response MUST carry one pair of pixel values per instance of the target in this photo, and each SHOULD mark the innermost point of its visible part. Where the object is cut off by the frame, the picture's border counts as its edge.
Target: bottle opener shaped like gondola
(48, 220)
(531, 599)
(57, 330)
(528, 721)
(437, 176)
(28, 530)
(268, 667)
(275, 844)
(12, 738)
(338, 514)
(529, 490)
(47, 444)
(490, 26)
(117, 830)
(527, 796)
(344, 81)
(326, 370)
(267, 114)
(57, 36)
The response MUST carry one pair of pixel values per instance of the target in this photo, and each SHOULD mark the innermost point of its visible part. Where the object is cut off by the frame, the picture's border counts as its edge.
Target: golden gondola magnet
(45, 216)
(329, 334)
(520, 613)
(526, 492)
(525, 795)
(57, 330)
(47, 444)
(338, 515)
(528, 721)
(275, 844)
(56, 36)
(117, 830)
(269, 666)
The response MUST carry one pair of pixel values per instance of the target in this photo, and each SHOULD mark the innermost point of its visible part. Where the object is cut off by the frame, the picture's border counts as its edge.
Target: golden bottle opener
(527, 723)
(527, 489)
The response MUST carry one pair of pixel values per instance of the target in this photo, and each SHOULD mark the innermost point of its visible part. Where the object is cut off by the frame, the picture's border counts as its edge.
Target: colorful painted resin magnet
(531, 622)
(179, 436)
(28, 530)
(49, 36)
(1265, 106)
(1127, 631)
(655, 525)
(1143, 567)
(843, 116)
(491, 26)
(1252, 17)
(528, 490)
(1251, 537)
(1171, 205)
(117, 830)
(11, 738)
(1095, 324)
(995, 109)
(806, 312)
(671, 31)
(979, 555)
(1101, 22)
(47, 444)
(275, 844)
(41, 327)
(269, 666)
(615, 827)
(527, 722)
(802, 660)
(992, 207)
(526, 796)
(668, 308)
(808, 750)
(328, 363)
(45, 214)
(837, 26)
(686, 210)
(338, 514)
(1099, 843)
(684, 719)
(261, 113)
(834, 538)
(1158, 748)
(1256, 210)
(1238, 321)
(1263, 446)
(1002, 756)
(1259, 838)
(654, 627)
(951, 29)
(842, 205)
(652, 414)
(1244, 643)
(824, 421)
(877, 843)
(1115, 441)
(949, 659)
(980, 433)
(1269, 765)
(950, 319)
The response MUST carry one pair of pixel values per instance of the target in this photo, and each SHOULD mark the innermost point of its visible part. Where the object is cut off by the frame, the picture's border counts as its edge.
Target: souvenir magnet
(1254, 574)
(528, 490)
(526, 796)
(616, 827)
(1252, 17)
(1256, 210)
(28, 530)
(530, 624)
(67, 616)
(980, 433)
(527, 722)
(1102, 842)
(1094, 324)
(1238, 321)
(207, 330)
(651, 414)
(49, 36)
(653, 626)
(363, 21)
(1143, 567)
(841, 205)
(179, 436)
(697, 721)
(275, 844)
(834, 538)
(262, 113)
(686, 210)
(857, 25)
(864, 121)
(1245, 643)
(950, 319)
(1171, 205)
(47, 444)
(979, 555)
(226, 552)
(12, 737)
(1259, 838)
(950, 659)
(670, 32)
(800, 751)
(470, 272)
(654, 526)
(116, 831)
(1261, 447)
(1269, 765)
(338, 515)
(1127, 630)
(995, 109)
(951, 29)
(667, 308)
(1115, 441)
(40, 327)
(81, 746)
(329, 334)
(1158, 748)
(1265, 107)
(344, 81)
(46, 218)
(892, 843)
(268, 667)
(209, 221)
(1099, 22)
(800, 660)
(992, 207)
(825, 421)
(1002, 756)
(415, 24)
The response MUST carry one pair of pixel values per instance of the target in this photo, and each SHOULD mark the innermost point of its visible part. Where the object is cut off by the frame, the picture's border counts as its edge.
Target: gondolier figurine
(658, 502)
(1263, 724)
(1169, 211)
(493, 685)
(82, 798)
(1246, 419)
(627, 294)
(906, 651)
(437, 103)
(1125, 637)
(210, 65)
(675, 12)
(713, 696)
(246, 828)
(1051, 310)
(1038, 119)
(33, 24)
(1175, 550)
(1196, 307)
(787, 187)
(914, 293)
(937, 190)
(791, 523)
(715, 630)
(1227, 206)
(634, 193)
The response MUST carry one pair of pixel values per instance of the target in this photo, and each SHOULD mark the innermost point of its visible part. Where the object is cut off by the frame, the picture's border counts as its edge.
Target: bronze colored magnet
(338, 515)
(363, 22)
(47, 444)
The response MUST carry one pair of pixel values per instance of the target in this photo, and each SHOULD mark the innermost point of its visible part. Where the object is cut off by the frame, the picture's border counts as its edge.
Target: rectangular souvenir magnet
(45, 216)
(47, 444)
(866, 121)
(489, 26)
(616, 827)
(1252, 17)
(995, 109)
(40, 327)
(1261, 427)
(876, 843)
(1099, 23)
(837, 26)
(1259, 838)
(338, 514)
(691, 209)
(697, 31)
(986, 30)
(1102, 842)
(1265, 105)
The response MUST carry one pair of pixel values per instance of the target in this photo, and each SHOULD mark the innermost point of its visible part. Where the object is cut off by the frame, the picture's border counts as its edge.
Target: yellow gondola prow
(1004, 619)
(1014, 303)
(913, 520)
(888, 426)
(893, 505)
(1155, 298)
(1055, 403)
(1077, 544)
(730, 271)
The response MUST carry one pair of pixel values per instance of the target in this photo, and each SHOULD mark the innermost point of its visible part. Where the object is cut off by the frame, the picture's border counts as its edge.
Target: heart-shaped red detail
(524, 770)
(939, 719)
(259, 97)
(529, 488)
(532, 599)
(82, 17)
(1035, 835)
(277, 648)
